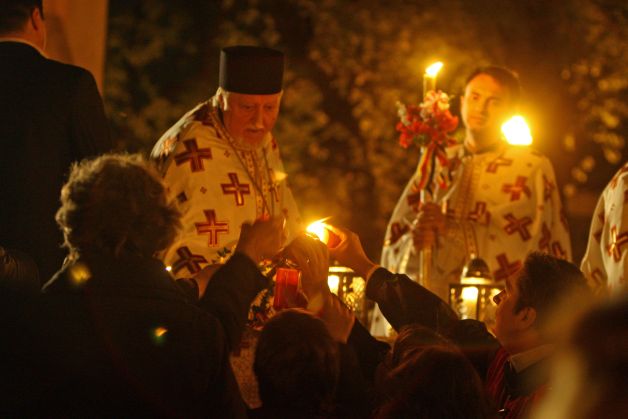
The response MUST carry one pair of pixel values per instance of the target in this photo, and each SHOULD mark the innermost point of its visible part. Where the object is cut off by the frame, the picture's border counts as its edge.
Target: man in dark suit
(51, 115)
(513, 363)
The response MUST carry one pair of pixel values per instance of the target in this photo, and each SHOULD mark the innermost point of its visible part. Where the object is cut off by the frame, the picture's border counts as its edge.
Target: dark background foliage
(349, 61)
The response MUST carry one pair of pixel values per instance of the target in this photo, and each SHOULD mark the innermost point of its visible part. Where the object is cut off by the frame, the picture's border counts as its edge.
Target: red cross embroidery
(518, 225)
(517, 188)
(212, 227)
(506, 269)
(557, 250)
(396, 231)
(236, 188)
(414, 200)
(548, 188)
(614, 248)
(613, 183)
(479, 212)
(188, 260)
(194, 155)
(273, 143)
(563, 219)
(500, 161)
(546, 238)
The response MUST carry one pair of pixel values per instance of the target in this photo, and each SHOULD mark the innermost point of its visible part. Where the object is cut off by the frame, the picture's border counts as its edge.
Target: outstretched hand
(262, 239)
(312, 257)
(349, 251)
(430, 223)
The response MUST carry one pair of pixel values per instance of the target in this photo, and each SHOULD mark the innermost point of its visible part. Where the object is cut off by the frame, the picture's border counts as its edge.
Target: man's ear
(526, 317)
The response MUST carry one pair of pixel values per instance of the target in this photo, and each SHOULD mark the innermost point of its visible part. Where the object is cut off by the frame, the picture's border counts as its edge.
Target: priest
(221, 162)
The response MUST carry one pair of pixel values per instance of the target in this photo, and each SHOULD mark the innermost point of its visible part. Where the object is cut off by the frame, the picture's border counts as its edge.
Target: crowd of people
(140, 311)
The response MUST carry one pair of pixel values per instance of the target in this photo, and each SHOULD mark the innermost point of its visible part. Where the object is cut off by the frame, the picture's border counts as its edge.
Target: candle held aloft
(429, 78)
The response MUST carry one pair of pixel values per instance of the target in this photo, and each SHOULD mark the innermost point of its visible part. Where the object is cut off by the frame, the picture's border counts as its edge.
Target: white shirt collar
(524, 359)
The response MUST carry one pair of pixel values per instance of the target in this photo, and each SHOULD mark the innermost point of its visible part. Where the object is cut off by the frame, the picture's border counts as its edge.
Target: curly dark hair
(116, 204)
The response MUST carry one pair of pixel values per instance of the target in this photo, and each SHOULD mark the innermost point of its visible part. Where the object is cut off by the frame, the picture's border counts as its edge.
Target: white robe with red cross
(500, 205)
(605, 263)
(218, 184)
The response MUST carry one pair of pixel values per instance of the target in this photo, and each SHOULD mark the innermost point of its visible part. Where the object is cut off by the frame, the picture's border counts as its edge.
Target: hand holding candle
(323, 232)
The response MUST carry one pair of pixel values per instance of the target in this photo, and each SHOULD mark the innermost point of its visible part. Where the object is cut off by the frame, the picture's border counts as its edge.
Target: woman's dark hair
(436, 382)
(116, 204)
(297, 364)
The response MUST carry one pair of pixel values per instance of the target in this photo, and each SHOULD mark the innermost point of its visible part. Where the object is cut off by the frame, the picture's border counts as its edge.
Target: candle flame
(516, 131)
(433, 69)
(470, 293)
(319, 229)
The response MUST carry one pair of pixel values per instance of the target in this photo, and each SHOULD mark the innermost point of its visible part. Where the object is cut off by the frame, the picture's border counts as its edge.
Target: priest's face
(249, 118)
(485, 106)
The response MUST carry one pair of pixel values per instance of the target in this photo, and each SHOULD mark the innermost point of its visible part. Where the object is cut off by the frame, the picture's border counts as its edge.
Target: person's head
(437, 382)
(250, 91)
(589, 377)
(491, 95)
(116, 204)
(23, 19)
(530, 298)
(296, 363)
(249, 118)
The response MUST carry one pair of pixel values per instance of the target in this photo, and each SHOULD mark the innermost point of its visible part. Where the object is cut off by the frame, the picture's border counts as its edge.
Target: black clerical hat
(251, 70)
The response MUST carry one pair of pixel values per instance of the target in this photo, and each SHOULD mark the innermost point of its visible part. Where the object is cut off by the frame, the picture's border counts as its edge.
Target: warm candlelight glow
(333, 281)
(319, 229)
(433, 69)
(516, 131)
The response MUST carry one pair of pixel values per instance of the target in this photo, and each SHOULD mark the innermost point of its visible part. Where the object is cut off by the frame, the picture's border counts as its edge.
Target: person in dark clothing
(297, 365)
(116, 335)
(434, 382)
(51, 115)
(514, 364)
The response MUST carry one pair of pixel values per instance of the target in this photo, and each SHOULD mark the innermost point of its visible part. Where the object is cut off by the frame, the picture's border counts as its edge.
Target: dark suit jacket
(404, 302)
(51, 115)
(128, 342)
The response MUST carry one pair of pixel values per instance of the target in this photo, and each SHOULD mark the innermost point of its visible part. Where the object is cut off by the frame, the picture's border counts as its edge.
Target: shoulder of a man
(195, 125)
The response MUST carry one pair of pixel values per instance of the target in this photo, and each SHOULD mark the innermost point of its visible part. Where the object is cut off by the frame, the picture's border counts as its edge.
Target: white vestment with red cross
(605, 263)
(218, 184)
(501, 204)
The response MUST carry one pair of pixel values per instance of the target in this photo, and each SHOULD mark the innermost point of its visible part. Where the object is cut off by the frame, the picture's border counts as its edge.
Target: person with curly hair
(118, 334)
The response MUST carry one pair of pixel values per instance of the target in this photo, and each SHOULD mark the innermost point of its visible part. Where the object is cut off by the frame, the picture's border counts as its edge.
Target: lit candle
(470, 301)
(429, 78)
(323, 233)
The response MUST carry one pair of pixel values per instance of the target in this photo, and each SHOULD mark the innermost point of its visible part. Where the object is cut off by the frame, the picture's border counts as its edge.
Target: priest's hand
(312, 257)
(349, 252)
(262, 239)
(430, 223)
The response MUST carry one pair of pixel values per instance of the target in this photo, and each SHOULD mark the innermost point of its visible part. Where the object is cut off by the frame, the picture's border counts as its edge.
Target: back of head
(296, 363)
(412, 338)
(437, 382)
(548, 282)
(15, 13)
(116, 205)
(504, 76)
(600, 340)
